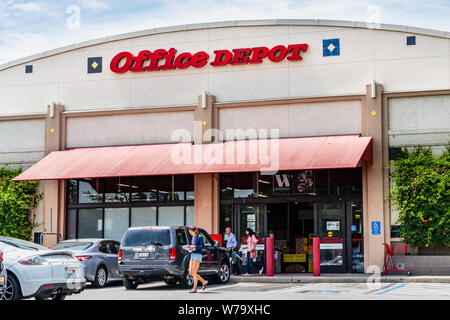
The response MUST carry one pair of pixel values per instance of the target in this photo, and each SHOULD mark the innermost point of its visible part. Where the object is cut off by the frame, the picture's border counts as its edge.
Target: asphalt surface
(273, 291)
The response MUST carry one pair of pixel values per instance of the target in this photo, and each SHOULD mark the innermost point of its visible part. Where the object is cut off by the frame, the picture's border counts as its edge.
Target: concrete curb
(339, 279)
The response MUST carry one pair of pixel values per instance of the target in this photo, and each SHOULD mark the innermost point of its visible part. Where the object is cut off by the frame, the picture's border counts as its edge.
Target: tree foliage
(421, 193)
(17, 199)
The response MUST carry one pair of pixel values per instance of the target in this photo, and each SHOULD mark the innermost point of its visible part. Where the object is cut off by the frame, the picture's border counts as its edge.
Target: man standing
(232, 247)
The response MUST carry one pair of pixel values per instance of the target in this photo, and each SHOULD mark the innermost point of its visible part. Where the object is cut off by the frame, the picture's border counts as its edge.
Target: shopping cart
(389, 264)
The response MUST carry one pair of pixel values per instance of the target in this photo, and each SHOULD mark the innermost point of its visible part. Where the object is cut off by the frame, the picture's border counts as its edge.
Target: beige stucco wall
(297, 120)
(419, 121)
(126, 129)
(366, 55)
(22, 142)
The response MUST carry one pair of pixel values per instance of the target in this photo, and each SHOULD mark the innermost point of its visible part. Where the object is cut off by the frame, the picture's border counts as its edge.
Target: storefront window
(165, 188)
(226, 213)
(117, 189)
(90, 191)
(226, 186)
(171, 216)
(345, 181)
(357, 237)
(189, 215)
(179, 185)
(265, 185)
(244, 185)
(144, 189)
(119, 204)
(72, 190)
(71, 222)
(190, 187)
(90, 223)
(116, 223)
(145, 216)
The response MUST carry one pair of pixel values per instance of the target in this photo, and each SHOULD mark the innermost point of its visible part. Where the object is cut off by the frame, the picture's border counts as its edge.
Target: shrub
(16, 202)
(421, 193)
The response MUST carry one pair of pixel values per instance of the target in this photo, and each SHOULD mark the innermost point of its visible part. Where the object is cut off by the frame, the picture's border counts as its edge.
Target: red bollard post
(269, 257)
(316, 257)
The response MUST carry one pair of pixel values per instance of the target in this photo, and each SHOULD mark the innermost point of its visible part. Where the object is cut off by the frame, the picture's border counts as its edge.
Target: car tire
(101, 277)
(223, 275)
(12, 289)
(187, 281)
(129, 284)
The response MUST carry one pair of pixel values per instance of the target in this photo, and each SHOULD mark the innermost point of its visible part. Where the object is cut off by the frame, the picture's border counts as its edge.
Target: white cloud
(106, 19)
(27, 7)
(94, 4)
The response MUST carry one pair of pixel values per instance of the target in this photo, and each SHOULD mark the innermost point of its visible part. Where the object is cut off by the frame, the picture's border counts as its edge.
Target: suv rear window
(159, 237)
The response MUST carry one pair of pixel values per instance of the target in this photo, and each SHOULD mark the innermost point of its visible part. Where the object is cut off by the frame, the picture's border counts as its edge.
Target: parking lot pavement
(272, 291)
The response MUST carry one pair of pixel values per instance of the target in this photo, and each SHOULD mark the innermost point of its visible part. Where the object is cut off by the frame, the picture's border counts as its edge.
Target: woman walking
(251, 252)
(197, 244)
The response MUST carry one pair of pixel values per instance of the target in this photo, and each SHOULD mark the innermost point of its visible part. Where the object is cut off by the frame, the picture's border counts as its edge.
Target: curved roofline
(233, 23)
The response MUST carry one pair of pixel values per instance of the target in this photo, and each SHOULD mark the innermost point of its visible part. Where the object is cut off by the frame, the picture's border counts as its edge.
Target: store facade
(101, 120)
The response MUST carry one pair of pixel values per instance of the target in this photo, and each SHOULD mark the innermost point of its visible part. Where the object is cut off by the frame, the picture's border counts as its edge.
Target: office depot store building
(282, 126)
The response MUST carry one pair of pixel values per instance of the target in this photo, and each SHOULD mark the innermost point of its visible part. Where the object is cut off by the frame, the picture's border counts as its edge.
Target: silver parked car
(99, 258)
(35, 271)
(2, 277)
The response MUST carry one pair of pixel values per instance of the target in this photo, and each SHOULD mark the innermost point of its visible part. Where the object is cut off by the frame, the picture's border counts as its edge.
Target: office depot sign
(162, 59)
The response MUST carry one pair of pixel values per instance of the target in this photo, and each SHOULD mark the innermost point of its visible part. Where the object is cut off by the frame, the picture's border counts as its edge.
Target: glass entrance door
(253, 217)
(331, 229)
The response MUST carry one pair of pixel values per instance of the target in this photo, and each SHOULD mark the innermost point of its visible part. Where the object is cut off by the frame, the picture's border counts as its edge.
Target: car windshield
(22, 244)
(72, 245)
(142, 237)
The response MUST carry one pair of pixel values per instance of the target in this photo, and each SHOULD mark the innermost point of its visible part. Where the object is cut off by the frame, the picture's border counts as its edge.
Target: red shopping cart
(389, 264)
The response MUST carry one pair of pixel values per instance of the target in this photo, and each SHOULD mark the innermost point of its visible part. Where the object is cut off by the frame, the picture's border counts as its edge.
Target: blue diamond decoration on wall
(331, 47)
(95, 65)
(411, 41)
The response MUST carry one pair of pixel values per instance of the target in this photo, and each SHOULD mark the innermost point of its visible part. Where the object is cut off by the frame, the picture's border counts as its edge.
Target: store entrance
(292, 226)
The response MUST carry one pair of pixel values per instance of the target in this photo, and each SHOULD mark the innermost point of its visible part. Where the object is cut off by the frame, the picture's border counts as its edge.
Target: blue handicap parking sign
(376, 228)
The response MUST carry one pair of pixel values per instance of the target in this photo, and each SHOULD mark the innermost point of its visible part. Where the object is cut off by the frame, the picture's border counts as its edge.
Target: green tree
(421, 193)
(17, 199)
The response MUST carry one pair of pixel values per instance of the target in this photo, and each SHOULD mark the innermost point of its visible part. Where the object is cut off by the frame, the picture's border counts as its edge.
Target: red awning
(329, 152)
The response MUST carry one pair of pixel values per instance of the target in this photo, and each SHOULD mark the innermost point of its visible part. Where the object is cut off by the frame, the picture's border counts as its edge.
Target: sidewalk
(336, 278)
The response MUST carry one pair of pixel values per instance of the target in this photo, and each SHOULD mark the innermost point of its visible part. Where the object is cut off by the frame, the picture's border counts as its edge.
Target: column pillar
(206, 185)
(373, 188)
(54, 195)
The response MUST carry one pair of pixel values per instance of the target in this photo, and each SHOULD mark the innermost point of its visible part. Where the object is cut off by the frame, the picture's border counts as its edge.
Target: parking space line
(297, 287)
(392, 289)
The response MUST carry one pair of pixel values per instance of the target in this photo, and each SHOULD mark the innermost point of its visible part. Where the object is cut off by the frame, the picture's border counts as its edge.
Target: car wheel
(101, 276)
(12, 289)
(129, 284)
(187, 281)
(223, 275)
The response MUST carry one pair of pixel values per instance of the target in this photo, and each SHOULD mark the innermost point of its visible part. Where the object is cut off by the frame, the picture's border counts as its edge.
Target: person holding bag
(251, 252)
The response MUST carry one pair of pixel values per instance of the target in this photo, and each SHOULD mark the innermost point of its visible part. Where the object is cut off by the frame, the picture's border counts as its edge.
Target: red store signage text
(162, 59)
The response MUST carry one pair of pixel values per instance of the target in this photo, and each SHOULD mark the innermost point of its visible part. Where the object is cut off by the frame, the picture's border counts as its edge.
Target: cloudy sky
(28, 27)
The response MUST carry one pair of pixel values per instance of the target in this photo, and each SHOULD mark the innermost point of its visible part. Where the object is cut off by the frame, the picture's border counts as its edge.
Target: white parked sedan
(35, 271)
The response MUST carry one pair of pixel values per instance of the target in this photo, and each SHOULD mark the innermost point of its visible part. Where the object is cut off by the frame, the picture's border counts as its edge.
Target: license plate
(71, 273)
(143, 255)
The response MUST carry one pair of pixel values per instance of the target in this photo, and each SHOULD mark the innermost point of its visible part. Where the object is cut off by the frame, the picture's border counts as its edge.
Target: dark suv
(152, 253)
